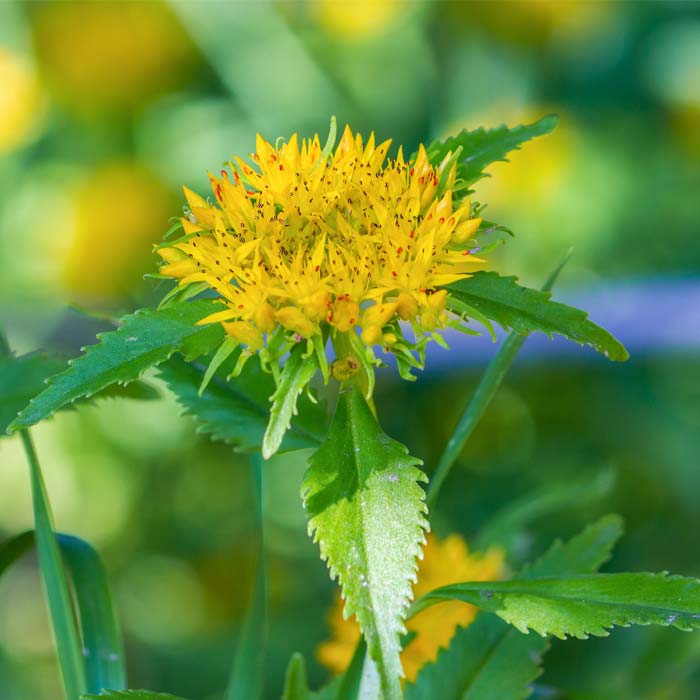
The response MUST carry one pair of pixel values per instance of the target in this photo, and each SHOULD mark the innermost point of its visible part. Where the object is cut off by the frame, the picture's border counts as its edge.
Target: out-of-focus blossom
(120, 210)
(561, 191)
(356, 19)
(20, 101)
(533, 22)
(444, 562)
(104, 55)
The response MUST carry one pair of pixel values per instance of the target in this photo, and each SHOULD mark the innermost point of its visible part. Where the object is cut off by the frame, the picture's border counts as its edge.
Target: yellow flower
(309, 239)
(20, 101)
(444, 562)
(111, 55)
(116, 211)
(357, 19)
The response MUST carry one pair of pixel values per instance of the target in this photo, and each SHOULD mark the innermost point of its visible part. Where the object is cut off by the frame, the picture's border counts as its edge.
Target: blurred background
(106, 108)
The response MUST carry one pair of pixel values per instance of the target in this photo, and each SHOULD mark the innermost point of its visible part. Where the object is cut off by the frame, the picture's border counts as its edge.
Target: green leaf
(583, 554)
(101, 637)
(526, 310)
(485, 661)
(298, 371)
(130, 695)
(583, 605)
(506, 525)
(236, 411)
(365, 507)
(296, 686)
(481, 147)
(490, 660)
(23, 377)
(144, 339)
(220, 356)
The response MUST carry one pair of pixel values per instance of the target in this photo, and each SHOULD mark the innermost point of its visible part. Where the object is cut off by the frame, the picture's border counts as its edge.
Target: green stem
(486, 390)
(488, 386)
(344, 350)
(53, 573)
(248, 675)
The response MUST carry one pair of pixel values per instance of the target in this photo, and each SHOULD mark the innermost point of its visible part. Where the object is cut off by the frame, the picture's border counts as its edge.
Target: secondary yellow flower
(305, 239)
(20, 101)
(111, 55)
(119, 205)
(444, 562)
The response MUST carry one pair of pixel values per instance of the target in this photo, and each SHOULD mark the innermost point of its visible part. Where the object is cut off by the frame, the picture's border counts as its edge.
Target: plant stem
(53, 573)
(248, 674)
(488, 386)
(345, 352)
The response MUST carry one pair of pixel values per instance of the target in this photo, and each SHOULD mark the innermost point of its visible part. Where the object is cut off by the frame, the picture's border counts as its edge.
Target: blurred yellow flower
(535, 22)
(102, 55)
(119, 211)
(347, 239)
(444, 562)
(354, 19)
(19, 101)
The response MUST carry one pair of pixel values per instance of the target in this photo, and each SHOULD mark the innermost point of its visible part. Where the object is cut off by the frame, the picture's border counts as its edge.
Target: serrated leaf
(296, 686)
(365, 507)
(506, 526)
(130, 695)
(483, 662)
(526, 310)
(583, 554)
(297, 372)
(236, 411)
(481, 147)
(144, 339)
(23, 377)
(579, 606)
(490, 660)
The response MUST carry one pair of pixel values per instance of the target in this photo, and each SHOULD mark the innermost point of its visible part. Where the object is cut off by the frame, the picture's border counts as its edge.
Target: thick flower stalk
(306, 241)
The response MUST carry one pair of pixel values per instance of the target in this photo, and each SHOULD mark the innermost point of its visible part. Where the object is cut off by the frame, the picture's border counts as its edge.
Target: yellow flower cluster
(304, 236)
(444, 562)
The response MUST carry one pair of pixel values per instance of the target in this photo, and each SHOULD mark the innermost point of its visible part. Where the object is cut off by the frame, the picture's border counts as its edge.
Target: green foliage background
(172, 513)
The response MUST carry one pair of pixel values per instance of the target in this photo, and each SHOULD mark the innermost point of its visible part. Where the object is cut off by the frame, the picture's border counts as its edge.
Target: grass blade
(53, 573)
(101, 639)
(102, 643)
